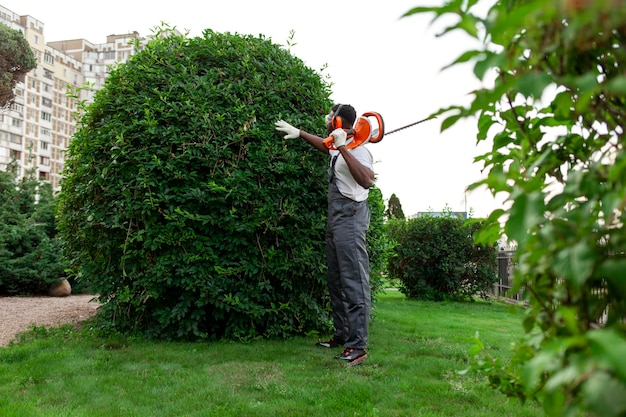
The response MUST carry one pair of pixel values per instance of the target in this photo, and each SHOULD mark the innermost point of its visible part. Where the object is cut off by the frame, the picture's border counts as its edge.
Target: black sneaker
(352, 356)
(330, 343)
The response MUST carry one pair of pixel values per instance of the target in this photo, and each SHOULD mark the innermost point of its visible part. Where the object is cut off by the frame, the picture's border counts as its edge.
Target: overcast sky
(377, 61)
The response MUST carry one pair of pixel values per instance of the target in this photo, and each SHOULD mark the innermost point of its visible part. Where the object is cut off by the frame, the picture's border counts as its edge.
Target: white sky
(376, 60)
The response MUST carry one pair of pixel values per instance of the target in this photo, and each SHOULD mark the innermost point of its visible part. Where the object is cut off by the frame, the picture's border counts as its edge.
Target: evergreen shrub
(435, 258)
(30, 253)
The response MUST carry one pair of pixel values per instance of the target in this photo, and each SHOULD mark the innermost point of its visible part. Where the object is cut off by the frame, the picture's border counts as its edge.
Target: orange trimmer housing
(361, 132)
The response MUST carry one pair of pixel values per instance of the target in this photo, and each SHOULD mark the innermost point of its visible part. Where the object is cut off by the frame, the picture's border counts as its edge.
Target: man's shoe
(330, 343)
(352, 356)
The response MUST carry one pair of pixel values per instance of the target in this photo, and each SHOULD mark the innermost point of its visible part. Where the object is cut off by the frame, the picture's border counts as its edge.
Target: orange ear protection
(335, 121)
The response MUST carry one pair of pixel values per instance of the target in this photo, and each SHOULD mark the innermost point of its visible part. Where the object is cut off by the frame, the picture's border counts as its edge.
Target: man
(351, 176)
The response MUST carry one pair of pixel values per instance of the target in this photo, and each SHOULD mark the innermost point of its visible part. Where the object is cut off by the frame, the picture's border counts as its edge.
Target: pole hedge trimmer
(362, 130)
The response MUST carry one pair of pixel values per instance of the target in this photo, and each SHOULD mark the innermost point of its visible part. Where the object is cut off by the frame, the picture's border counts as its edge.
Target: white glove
(291, 132)
(340, 138)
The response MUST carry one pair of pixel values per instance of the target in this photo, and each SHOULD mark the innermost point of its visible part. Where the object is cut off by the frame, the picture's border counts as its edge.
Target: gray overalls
(348, 265)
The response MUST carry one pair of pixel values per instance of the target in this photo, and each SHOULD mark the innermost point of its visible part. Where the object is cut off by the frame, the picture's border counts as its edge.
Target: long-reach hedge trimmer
(363, 130)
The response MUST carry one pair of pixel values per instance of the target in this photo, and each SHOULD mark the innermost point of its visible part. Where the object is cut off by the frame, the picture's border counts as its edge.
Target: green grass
(416, 349)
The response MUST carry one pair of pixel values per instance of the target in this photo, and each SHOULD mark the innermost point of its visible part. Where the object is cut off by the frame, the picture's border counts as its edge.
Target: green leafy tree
(182, 206)
(554, 106)
(30, 253)
(394, 208)
(16, 60)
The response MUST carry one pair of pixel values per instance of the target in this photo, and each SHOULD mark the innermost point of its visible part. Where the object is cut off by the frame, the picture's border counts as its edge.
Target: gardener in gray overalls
(351, 175)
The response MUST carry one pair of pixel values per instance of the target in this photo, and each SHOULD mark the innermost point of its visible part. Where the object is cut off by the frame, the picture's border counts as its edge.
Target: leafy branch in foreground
(553, 108)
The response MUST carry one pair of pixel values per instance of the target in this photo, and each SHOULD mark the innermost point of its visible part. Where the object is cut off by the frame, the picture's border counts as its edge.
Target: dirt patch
(18, 314)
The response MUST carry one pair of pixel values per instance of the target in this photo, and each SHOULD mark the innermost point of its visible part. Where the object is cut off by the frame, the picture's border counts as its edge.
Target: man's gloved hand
(340, 138)
(291, 132)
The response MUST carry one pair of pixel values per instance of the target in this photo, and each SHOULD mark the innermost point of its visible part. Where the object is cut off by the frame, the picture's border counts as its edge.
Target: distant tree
(16, 59)
(394, 208)
(30, 253)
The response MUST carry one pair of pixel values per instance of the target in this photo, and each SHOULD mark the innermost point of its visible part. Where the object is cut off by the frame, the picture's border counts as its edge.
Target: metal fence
(506, 265)
(502, 289)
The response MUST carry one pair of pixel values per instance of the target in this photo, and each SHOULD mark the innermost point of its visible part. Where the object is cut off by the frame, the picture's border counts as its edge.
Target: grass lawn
(416, 349)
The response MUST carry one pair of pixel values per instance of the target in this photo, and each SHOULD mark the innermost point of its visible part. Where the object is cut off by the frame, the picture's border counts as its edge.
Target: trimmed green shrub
(184, 209)
(30, 253)
(378, 244)
(435, 258)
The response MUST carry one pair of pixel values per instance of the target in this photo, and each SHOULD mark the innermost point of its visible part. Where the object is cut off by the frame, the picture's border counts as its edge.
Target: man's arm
(316, 141)
(293, 133)
(361, 174)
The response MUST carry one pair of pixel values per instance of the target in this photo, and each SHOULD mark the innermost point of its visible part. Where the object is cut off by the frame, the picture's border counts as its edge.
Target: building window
(48, 58)
(16, 122)
(13, 154)
(44, 160)
(46, 116)
(13, 138)
(44, 145)
(44, 176)
(18, 108)
(45, 131)
(48, 74)
(46, 102)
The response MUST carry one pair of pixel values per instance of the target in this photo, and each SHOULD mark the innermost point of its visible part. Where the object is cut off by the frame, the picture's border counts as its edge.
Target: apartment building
(36, 130)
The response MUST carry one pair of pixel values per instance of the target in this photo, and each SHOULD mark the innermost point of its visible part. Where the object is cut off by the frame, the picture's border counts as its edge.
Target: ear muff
(336, 120)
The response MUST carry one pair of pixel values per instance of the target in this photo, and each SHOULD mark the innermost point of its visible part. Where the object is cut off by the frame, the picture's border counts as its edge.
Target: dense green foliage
(555, 109)
(378, 243)
(435, 258)
(182, 206)
(30, 253)
(16, 59)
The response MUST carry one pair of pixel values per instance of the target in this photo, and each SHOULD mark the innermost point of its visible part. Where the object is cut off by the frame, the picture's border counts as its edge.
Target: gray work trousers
(348, 268)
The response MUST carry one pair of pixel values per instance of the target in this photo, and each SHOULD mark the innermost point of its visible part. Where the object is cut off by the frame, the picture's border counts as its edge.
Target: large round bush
(184, 209)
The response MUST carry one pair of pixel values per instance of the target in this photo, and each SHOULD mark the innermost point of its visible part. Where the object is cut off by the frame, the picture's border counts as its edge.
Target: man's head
(341, 115)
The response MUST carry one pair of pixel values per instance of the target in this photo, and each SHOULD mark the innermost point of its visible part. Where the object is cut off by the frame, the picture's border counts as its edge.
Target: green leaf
(609, 349)
(604, 395)
(449, 122)
(469, 24)
(526, 213)
(533, 84)
(491, 60)
(617, 86)
(575, 263)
